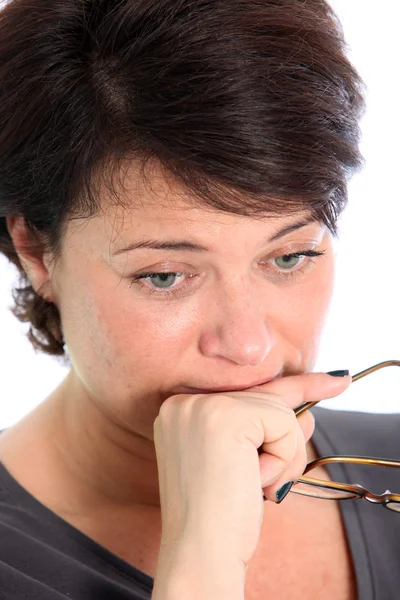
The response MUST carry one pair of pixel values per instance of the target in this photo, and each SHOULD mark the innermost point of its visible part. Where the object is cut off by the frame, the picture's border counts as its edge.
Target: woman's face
(204, 301)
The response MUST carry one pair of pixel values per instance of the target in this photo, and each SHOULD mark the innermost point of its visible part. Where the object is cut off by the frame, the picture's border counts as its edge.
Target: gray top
(42, 557)
(373, 532)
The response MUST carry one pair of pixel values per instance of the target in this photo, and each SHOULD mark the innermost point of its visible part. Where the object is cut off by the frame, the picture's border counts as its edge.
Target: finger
(281, 448)
(293, 471)
(308, 387)
(307, 423)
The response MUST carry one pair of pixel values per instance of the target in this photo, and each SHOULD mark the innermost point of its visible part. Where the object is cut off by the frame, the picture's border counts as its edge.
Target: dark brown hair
(251, 105)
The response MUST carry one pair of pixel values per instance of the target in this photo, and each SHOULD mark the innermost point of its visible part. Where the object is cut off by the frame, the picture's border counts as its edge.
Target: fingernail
(283, 491)
(338, 373)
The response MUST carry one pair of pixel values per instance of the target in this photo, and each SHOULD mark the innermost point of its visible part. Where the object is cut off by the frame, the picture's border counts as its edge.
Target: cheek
(303, 313)
(108, 329)
(147, 329)
(121, 346)
(318, 305)
(315, 299)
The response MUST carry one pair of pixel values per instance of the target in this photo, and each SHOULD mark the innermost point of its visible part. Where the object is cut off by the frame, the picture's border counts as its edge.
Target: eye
(293, 264)
(161, 280)
(289, 261)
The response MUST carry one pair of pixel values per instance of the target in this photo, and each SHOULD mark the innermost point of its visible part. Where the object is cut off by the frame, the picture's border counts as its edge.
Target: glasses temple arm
(387, 363)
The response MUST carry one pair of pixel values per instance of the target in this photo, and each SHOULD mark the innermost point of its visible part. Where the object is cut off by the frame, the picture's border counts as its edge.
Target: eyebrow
(193, 247)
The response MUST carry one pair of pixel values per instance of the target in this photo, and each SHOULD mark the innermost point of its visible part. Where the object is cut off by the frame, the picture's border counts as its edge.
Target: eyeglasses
(331, 490)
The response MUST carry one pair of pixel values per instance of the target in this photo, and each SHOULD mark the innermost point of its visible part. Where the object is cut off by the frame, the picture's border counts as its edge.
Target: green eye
(287, 261)
(163, 280)
(163, 284)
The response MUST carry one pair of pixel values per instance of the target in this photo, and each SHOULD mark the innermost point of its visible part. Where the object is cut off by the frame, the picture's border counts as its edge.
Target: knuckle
(213, 410)
(302, 460)
(290, 421)
(291, 446)
(165, 409)
(168, 410)
(282, 402)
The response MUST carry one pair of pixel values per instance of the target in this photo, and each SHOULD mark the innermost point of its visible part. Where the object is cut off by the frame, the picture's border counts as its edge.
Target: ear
(34, 260)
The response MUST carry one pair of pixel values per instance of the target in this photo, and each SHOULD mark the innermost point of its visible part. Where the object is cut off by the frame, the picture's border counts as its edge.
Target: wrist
(190, 574)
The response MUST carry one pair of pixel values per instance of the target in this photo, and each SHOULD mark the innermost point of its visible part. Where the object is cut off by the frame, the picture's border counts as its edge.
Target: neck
(73, 457)
(117, 464)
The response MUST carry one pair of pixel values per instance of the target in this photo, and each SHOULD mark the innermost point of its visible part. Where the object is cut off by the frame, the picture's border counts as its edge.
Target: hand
(212, 478)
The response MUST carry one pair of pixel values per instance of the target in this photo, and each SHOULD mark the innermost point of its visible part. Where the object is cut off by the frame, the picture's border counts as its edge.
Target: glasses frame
(358, 491)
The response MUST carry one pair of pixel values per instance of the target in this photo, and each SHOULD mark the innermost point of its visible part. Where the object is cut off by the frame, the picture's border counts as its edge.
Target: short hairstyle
(252, 106)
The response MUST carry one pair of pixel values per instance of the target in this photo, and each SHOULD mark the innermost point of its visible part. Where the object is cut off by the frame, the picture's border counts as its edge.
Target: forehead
(153, 196)
(144, 203)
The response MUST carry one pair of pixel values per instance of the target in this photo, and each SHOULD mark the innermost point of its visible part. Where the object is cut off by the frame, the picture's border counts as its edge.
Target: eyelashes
(148, 280)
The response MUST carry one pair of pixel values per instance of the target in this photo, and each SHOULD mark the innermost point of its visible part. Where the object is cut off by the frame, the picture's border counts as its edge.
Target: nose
(237, 329)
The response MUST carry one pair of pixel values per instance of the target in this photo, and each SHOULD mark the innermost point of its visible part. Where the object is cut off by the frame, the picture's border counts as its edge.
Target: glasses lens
(316, 491)
(393, 506)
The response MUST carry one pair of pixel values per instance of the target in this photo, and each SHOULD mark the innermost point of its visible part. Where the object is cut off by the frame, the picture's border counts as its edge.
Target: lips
(228, 388)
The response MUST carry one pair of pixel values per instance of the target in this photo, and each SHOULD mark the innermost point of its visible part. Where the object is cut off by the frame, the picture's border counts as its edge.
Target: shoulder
(360, 433)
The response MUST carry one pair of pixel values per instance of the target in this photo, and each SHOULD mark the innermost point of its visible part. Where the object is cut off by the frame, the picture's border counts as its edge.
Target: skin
(234, 324)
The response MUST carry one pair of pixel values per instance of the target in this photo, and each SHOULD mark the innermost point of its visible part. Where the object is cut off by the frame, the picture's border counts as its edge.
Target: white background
(363, 327)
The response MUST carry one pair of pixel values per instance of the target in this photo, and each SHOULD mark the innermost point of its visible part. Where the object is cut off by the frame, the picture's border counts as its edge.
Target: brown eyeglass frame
(358, 491)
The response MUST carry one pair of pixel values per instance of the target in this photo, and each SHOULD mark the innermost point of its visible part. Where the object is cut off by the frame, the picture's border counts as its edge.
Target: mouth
(227, 388)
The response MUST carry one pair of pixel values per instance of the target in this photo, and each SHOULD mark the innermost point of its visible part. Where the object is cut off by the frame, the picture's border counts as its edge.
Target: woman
(171, 177)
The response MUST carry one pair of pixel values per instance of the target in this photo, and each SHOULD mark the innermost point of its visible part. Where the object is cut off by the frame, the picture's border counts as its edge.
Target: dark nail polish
(283, 491)
(338, 373)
